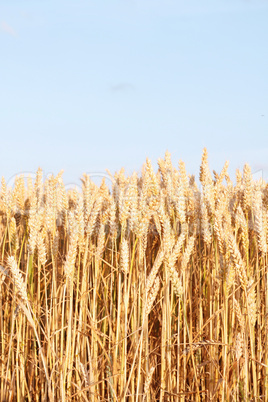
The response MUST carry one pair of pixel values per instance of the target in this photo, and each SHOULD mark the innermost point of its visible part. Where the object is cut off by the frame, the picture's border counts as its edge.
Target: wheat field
(151, 289)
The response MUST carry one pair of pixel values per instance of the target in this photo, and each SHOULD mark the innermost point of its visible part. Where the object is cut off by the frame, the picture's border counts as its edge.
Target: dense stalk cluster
(153, 287)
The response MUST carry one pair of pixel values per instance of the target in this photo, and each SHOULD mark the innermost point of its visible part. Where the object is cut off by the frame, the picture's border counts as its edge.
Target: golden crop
(152, 290)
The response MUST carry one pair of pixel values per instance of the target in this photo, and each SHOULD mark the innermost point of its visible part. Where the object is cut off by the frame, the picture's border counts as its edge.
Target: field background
(154, 289)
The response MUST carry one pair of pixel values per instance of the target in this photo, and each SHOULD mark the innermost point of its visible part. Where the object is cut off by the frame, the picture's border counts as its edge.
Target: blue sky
(89, 85)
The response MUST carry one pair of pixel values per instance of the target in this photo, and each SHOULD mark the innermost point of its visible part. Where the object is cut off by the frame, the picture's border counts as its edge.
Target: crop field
(154, 288)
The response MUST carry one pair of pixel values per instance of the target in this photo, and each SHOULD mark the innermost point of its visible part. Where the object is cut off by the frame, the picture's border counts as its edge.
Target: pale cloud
(122, 87)
(27, 16)
(7, 28)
